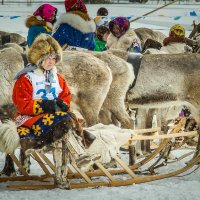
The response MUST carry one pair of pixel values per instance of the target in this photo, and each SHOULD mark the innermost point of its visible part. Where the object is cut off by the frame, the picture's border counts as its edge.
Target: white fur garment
(109, 139)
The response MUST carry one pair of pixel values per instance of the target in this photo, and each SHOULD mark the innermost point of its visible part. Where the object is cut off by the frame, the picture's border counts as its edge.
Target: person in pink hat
(75, 28)
(41, 21)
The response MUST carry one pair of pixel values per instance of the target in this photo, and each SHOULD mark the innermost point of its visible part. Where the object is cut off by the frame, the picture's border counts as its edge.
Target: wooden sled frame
(102, 171)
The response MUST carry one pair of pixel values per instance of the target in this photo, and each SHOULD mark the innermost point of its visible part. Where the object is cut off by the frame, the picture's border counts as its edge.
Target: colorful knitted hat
(177, 31)
(123, 24)
(75, 5)
(45, 11)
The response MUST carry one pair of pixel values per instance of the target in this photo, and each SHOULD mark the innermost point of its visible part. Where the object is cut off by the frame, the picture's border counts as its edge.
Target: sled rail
(110, 184)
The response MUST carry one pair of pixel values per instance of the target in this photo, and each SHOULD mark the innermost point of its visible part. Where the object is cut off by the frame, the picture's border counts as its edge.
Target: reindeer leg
(198, 145)
(64, 166)
(141, 123)
(9, 168)
(61, 169)
(25, 160)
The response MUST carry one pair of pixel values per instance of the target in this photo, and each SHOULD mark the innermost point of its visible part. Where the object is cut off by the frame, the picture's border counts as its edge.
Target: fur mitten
(62, 105)
(49, 106)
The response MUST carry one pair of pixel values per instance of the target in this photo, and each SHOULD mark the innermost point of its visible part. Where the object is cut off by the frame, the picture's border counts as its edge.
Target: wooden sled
(122, 176)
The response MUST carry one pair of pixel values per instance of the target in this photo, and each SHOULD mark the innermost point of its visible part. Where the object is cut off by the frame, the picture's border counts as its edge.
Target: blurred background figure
(102, 12)
(122, 36)
(101, 38)
(41, 21)
(75, 28)
(176, 34)
(102, 17)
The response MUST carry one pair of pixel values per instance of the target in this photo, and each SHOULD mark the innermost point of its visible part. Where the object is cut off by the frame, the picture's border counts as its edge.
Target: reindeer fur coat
(125, 42)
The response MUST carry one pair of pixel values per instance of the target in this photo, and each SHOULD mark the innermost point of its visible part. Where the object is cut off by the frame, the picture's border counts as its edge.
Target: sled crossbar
(173, 135)
(148, 130)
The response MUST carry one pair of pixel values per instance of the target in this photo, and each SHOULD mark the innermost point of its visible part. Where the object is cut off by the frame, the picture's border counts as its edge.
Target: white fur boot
(75, 146)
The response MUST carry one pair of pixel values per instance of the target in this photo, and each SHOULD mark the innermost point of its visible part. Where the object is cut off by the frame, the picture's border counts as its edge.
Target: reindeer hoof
(86, 161)
(5, 174)
(62, 184)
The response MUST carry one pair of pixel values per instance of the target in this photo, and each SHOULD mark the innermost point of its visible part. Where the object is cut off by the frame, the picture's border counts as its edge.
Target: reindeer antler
(196, 28)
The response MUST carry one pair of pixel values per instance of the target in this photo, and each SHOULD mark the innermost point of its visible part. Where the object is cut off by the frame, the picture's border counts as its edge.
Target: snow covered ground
(12, 19)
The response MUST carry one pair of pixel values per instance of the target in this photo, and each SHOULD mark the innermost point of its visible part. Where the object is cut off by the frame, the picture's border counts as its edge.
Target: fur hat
(45, 11)
(177, 31)
(75, 5)
(123, 24)
(43, 46)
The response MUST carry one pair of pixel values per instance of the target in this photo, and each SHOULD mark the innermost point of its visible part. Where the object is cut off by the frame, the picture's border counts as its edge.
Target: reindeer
(145, 33)
(174, 79)
(6, 37)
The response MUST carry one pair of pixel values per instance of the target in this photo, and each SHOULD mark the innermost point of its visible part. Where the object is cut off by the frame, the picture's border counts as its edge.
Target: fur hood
(76, 22)
(38, 21)
(124, 42)
(34, 21)
(42, 46)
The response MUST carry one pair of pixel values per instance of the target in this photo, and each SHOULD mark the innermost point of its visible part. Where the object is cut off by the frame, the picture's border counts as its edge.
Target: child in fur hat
(101, 38)
(75, 28)
(122, 36)
(42, 99)
(41, 21)
(40, 90)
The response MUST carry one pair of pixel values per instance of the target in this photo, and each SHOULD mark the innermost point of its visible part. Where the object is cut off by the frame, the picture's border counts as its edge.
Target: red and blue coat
(29, 92)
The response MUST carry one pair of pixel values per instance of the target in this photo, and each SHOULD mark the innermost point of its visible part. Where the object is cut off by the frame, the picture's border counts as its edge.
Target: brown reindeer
(170, 79)
(6, 37)
(145, 33)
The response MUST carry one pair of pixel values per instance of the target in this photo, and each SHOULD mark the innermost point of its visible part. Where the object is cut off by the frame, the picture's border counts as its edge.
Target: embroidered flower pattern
(60, 113)
(37, 108)
(23, 131)
(48, 119)
(37, 130)
(43, 125)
